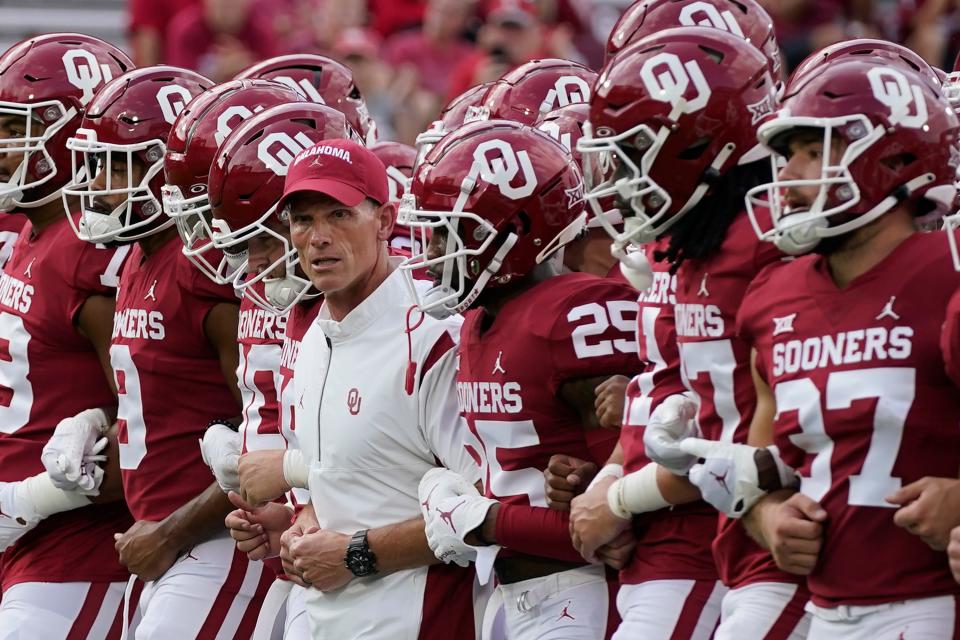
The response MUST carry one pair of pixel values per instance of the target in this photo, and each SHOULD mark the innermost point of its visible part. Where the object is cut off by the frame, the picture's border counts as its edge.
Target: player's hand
(71, 455)
(261, 476)
(257, 530)
(565, 477)
(306, 519)
(670, 423)
(435, 486)
(618, 552)
(146, 550)
(454, 518)
(929, 508)
(793, 531)
(220, 448)
(609, 402)
(318, 557)
(592, 524)
(953, 553)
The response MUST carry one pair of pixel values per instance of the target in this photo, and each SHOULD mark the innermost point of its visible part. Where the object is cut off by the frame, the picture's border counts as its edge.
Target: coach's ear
(386, 216)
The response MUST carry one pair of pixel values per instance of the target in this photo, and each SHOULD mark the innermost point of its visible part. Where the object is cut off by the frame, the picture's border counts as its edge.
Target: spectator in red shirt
(149, 20)
(435, 50)
(391, 16)
(219, 38)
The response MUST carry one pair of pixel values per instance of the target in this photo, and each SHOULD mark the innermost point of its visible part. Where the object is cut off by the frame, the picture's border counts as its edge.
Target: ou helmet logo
(278, 150)
(172, 99)
(502, 168)
(566, 90)
(85, 72)
(892, 89)
(306, 90)
(552, 129)
(396, 183)
(668, 79)
(712, 17)
(224, 127)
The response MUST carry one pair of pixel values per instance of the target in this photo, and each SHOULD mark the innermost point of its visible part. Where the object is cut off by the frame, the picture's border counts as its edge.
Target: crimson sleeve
(536, 531)
(950, 339)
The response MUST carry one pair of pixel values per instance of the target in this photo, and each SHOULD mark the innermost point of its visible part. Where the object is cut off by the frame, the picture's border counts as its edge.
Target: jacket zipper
(323, 388)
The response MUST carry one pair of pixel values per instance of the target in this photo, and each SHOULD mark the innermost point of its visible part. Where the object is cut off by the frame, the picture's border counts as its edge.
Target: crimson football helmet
(900, 146)
(192, 148)
(124, 130)
(245, 185)
(744, 18)
(671, 114)
(505, 196)
(398, 159)
(49, 80)
(323, 80)
(890, 52)
(464, 108)
(536, 87)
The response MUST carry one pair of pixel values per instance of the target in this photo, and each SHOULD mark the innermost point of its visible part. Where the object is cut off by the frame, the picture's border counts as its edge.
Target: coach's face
(338, 245)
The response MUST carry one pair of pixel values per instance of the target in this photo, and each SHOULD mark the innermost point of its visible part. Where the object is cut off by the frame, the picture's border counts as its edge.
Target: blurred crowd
(410, 56)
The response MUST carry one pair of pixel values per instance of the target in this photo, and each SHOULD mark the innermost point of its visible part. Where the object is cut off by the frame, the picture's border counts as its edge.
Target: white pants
(54, 611)
(298, 623)
(569, 605)
(922, 619)
(763, 611)
(207, 592)
(669, 609)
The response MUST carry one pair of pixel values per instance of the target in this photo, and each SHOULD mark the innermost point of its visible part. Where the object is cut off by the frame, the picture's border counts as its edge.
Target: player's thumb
(810, 508)
(698, 447)
(906, 494)
(239, 502)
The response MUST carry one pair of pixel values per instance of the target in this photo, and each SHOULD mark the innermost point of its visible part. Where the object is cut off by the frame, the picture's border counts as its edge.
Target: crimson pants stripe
(249, 621)
(88, 612)
(221, 605)
(693, 608)
(789, 617)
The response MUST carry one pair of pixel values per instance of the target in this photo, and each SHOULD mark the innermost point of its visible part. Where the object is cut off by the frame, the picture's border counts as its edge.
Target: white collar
(391, 293)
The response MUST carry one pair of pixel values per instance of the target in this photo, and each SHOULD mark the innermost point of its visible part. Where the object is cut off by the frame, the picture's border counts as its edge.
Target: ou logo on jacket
(501, 168)
(905, 101)
(224, 128)
(668, 80)
(85, 72)
(277, 150)
(566, 90)
(704, 14)
(172, 99)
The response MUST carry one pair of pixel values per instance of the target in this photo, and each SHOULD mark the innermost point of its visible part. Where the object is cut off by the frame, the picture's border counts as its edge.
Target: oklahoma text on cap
(342, 169)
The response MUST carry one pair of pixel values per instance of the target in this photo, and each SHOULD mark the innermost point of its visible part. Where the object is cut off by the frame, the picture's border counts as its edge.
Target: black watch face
(359, 563)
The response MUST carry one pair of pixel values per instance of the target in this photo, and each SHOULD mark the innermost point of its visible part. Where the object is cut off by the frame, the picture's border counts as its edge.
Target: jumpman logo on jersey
(888, 311)
(152, 293)
(566, 612)
(703, 287)
(190, 555)
(784, 324)
(19, 521)
(447, 516)
(721, 480)
(2, 514)
(26, 271)
(497, 367)
(426, 503)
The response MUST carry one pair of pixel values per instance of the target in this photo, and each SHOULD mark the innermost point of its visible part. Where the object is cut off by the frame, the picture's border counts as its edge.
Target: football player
(174, 356)
(501, 201)
(61, 577)
(681, 174)
(846, 344)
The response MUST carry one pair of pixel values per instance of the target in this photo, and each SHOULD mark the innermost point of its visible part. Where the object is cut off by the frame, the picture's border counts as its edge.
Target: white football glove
(72, 454)
(437, 486)
(220, 448)
(25, 503)
(670, 423)
(728, 477)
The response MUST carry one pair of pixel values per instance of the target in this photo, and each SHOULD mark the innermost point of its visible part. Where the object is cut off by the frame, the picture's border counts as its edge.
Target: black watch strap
(359, 558)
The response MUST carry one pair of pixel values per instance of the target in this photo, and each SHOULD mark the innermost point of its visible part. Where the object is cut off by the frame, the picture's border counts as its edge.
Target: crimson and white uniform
(49, 372)
(11, 224)
(670, 588)
(369, 438)
(715, 366)
(171, 385)
(950, 339)
(260, 336)
(569, 327)
(864, 406)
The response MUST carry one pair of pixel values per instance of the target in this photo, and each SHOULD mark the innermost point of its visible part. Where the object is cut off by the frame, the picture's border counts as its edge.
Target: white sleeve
(444, 428)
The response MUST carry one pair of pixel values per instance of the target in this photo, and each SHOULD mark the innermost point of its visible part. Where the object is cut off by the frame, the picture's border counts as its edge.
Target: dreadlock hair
(701, 231)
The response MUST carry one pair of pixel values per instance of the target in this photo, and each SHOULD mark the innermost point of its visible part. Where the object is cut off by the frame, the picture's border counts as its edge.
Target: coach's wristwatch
(359, 559)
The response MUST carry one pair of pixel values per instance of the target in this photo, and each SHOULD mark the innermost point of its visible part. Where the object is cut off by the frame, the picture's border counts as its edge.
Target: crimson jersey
(672, 544)
(49, 372)
(569, 327)
(864, 407)
(715, 366)
(168, 377)
(10, 226)
(260, 338)
(950, 341)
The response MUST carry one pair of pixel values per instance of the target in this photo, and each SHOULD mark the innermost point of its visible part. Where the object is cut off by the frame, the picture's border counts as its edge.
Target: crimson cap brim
(339, 191)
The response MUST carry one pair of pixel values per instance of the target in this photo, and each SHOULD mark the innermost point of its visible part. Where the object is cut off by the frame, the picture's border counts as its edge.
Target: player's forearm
(401, 546)
(199, 519)
(676, 489)
(536, 531)
(753, 519)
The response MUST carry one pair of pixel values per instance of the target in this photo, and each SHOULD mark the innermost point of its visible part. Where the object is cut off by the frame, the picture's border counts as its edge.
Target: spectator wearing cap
(219, 38)
(377, 410)
(511, 35)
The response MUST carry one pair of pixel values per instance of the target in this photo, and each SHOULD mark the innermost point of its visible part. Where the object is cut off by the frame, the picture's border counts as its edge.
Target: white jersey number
(496, 435)
(14, 371)
(714, 359)
(129, 407)
(259, 365)
(620, 313)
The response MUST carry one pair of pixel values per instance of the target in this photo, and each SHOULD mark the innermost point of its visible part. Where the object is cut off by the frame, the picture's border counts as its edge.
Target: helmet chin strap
(634, 266)
(440, 311)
